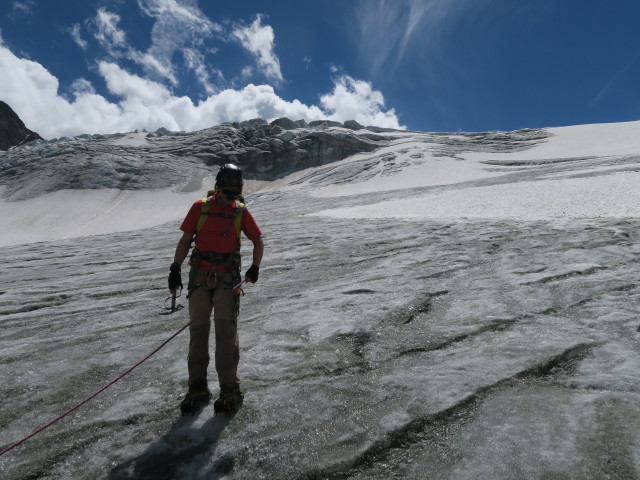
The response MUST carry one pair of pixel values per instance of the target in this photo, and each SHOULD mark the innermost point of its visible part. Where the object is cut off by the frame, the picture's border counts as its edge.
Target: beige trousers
(219, 298)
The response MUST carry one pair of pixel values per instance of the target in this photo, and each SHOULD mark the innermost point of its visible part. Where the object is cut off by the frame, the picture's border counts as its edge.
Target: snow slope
(449, 306)
(596, 177)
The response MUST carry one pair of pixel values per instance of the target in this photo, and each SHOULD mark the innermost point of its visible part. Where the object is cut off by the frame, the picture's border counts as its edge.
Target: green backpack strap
(204, 210)
(237, 220)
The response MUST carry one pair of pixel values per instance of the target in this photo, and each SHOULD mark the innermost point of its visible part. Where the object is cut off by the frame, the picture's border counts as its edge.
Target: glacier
(431, 305)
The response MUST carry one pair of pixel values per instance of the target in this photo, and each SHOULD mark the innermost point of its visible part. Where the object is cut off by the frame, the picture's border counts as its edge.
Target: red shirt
(218, 234)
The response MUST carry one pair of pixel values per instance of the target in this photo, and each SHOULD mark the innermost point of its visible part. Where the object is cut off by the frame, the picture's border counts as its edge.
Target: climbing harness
(119, 377)
(231, 262)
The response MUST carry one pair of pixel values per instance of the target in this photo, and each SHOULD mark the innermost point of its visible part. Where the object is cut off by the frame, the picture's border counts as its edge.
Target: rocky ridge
(180, 160)
(13, 131)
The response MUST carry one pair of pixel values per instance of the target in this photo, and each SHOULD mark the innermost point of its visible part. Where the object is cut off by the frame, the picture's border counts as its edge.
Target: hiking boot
(194, 401)
(228, 402)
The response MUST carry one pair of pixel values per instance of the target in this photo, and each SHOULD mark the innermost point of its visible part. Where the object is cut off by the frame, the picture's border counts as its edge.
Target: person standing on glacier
(215, 224)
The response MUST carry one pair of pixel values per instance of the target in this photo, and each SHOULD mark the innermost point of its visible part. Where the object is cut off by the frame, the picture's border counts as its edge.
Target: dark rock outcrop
(13, 132)
(180, 160)
(161, 159)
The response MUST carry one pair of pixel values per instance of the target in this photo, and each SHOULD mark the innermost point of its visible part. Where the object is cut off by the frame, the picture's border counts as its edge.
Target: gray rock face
(161, 159)
(13, 132)
(164, 159)
(353, 125)
(284, 123)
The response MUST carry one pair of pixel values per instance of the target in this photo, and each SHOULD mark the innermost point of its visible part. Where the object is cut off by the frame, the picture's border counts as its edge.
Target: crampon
(228, 403)
(193, 402)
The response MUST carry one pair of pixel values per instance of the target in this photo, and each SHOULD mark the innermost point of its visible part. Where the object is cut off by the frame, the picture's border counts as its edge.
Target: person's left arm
(258, 251)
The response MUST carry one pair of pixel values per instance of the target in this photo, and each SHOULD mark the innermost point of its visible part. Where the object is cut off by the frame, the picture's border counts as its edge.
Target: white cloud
(246, 73)
(81, 86)
(353, 99)
(195, 62)
(74, 31)
(24, 8)
(114, 41)
(180, 27)
(307, 62)
(386, 27)
(604, 91)
(186, 10)
(110, 36)
(175, 28)
(32, 92)
(260, 40)
(132, 87)
(153, 65)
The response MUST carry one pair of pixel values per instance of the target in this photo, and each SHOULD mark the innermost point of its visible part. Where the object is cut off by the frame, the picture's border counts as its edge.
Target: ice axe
(173, 308)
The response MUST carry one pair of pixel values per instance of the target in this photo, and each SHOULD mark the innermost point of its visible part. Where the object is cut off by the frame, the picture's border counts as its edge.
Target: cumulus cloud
(259, 40)
(82, 85)
(33, 93)
(353, 99)
(141, 103)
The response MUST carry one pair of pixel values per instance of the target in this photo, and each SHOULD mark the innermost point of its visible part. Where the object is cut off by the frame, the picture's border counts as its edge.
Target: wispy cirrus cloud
(22, 8)
(607, 87)
(186, 11)
(108, 33)
(386, 28)
(182, 30)
(195, 61)
(105, 27)
(259, 40)
(76, 36)
(180, 27)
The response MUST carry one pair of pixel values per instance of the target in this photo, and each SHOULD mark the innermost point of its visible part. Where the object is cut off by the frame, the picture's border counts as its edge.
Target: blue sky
(81, 66)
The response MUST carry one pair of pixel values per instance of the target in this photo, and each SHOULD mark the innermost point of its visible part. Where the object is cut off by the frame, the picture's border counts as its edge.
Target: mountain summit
(13, 132)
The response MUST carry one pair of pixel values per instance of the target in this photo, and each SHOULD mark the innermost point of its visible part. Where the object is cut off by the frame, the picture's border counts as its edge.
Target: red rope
(119, 377)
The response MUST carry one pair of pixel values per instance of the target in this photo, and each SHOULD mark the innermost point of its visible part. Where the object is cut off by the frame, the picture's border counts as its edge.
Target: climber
(215, 224)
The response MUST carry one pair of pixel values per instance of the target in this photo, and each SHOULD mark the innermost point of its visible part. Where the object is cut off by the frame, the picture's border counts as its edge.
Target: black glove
(175, 279)
(252, 273)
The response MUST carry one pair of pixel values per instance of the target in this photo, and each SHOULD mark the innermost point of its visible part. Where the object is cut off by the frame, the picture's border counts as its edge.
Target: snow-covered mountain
(431, 305)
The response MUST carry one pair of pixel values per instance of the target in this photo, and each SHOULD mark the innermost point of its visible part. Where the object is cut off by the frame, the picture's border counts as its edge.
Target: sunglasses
(231, 193)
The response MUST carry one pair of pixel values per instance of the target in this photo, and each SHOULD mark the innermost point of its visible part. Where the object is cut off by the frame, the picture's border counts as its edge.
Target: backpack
(236, 217)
